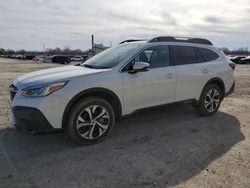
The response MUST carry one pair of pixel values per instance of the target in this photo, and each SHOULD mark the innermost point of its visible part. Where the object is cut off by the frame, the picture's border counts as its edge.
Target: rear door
(192, 70)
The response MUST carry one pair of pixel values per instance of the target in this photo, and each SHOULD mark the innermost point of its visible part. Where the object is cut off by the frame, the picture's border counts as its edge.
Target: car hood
(54, 75)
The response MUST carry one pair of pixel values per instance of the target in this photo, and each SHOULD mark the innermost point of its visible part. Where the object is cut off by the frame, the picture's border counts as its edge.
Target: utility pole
(92, 42)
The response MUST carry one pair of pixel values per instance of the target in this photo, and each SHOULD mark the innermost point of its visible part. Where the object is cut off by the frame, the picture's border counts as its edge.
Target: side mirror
(139, 67)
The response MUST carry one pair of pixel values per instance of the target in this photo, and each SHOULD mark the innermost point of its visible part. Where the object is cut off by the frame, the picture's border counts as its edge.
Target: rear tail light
(232, 65)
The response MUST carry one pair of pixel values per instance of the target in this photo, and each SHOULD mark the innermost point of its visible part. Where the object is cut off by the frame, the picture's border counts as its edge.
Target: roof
(173, 39)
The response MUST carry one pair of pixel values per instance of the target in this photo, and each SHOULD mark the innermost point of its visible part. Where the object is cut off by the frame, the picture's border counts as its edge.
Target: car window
(111, 57)
(157, 56)
(183, 55)
(209, 55)
(200, 58)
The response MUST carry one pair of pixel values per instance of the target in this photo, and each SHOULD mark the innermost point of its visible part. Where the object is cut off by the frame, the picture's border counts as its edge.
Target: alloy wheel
(92, 122)
(212, 100)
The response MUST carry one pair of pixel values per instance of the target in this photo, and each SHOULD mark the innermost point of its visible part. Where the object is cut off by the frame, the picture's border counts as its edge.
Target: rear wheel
(90, 120)
(210, 100)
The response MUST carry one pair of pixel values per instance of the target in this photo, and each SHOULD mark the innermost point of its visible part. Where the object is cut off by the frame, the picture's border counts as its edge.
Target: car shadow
(158, 147)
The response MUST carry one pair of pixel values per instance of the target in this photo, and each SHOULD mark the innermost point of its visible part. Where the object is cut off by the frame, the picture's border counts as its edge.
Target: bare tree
(66, 50)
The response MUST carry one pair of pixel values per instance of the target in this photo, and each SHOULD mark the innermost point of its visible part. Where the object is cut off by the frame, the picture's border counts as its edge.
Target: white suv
(86, 100)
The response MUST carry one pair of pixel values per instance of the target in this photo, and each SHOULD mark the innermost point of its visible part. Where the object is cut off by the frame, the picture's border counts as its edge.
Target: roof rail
(180, 39)
(131, 40)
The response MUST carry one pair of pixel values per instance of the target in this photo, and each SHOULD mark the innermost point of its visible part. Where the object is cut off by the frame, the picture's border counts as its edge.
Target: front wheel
(90, 120)
(210, 100)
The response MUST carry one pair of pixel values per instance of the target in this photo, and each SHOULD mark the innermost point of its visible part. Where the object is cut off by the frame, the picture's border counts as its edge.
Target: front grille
(13, 91)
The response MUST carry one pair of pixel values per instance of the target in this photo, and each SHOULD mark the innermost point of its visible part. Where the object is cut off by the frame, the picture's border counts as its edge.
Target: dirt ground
(164, 147)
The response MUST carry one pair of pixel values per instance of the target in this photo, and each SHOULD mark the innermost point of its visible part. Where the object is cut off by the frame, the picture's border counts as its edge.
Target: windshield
(110, 57)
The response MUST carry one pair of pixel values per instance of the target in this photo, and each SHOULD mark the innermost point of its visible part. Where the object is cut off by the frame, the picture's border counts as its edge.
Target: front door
(153, 87)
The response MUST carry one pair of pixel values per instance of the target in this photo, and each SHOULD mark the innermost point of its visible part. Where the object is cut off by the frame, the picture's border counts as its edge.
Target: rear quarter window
(209, 55)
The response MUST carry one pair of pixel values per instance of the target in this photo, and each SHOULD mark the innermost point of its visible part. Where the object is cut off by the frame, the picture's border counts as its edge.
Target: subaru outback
(86, 100)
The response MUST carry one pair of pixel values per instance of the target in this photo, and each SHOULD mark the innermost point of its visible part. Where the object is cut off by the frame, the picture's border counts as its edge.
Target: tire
(90, 120)
(210, 100)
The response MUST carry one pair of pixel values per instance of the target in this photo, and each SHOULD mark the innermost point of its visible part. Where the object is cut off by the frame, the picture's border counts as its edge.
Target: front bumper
(31, 120)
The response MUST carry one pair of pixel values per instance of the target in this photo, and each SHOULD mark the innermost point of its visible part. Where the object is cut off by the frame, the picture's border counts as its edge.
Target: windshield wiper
(88, 66)
(95, 67)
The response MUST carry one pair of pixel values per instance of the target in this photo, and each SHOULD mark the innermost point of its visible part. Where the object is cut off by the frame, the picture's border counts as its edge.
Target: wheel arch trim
(95, 92)
(215, 80)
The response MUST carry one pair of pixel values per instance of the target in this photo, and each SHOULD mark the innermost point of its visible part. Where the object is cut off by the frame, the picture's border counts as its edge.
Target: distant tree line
(240, 51)
(49, 51)
(67, 51)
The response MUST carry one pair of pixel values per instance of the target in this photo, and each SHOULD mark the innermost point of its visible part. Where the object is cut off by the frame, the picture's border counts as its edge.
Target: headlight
(43, 90)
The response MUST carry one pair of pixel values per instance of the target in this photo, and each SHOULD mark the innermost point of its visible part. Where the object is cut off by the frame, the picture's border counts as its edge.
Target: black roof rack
(131, 40)
(180, 39)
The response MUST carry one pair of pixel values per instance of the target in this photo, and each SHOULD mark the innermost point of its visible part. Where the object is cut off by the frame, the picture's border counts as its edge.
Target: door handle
(205, 71)
(170, 75)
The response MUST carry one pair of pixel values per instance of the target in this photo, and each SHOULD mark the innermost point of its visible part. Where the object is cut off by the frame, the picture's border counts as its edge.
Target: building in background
(96, 48)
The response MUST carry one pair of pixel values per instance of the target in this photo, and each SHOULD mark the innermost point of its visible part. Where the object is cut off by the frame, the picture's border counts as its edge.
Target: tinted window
(209, 55)
(200, 58)
(183, 55)
(157, 56)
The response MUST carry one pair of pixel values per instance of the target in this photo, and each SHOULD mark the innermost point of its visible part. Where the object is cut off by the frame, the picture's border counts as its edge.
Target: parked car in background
(20, 57)
(236, 59)
(245, 60)
(30, 57)
(40, 58)
(62, 59)
(77, 58)
(86, 100)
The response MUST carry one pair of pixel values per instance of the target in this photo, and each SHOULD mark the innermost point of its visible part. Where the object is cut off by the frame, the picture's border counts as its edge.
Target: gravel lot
(163, 147)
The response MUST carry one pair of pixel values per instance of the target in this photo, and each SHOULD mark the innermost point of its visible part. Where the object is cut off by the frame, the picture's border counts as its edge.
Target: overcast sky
(27, 24)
